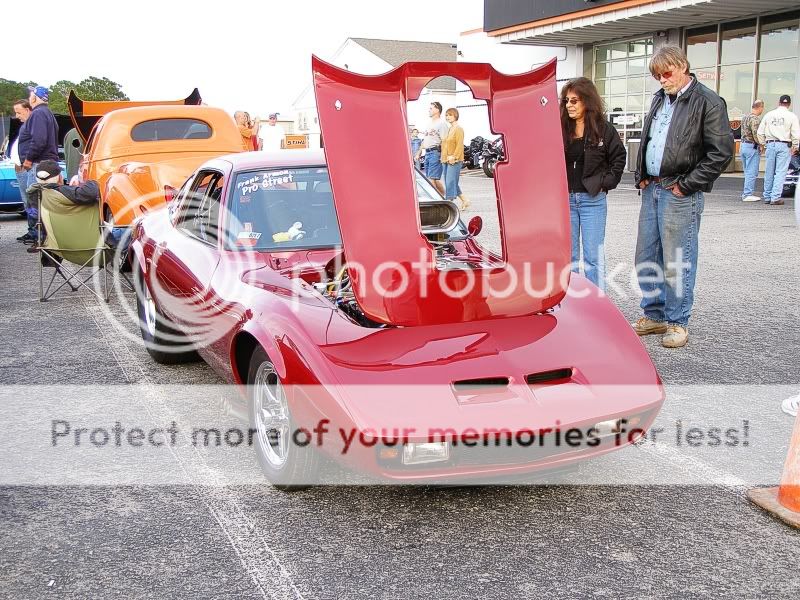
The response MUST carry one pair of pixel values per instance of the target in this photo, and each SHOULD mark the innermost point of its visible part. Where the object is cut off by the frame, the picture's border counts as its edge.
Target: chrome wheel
(271, 415)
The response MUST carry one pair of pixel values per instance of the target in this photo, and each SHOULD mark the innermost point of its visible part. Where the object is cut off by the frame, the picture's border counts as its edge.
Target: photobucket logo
(197, 290)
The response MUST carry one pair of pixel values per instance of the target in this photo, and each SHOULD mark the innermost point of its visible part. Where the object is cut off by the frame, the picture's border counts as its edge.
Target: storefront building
(741, 49)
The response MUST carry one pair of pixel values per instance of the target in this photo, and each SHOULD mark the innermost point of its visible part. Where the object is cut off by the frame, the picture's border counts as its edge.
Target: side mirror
(475, 226)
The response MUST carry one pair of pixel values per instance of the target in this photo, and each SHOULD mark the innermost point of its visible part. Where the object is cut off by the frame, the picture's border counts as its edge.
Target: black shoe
(29, 241)
(32, 249)
(26, 238)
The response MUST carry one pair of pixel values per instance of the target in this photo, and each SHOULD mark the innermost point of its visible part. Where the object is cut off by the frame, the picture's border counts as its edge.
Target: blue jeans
(750, 159)
(778, 156)
(433, 164)
(666, 253)
(31, 211)
(22, 181)
(450, 177)
(587, 218)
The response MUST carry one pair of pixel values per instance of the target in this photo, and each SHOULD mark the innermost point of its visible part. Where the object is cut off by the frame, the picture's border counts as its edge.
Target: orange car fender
(122, 197)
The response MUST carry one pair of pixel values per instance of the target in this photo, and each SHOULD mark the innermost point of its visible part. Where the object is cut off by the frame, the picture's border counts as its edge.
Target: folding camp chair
(72, 233)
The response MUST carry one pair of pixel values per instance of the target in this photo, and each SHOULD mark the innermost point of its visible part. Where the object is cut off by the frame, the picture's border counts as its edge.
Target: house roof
(397, 52)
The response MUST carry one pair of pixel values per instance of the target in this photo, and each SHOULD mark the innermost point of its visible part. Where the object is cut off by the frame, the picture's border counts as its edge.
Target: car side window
(174, 207)
(198, 215)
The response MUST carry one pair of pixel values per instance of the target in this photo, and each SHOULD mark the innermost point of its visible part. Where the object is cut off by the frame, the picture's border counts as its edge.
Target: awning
(631, 18)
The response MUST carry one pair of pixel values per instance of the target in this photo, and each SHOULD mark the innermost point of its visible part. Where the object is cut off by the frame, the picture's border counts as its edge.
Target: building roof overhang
(630, 18)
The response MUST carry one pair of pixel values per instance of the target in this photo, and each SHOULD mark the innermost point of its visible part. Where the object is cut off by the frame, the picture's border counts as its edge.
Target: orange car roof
(115, 139)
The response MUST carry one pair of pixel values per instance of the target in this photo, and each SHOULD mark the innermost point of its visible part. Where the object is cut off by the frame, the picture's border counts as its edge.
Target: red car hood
(497, 371)
(363, 121)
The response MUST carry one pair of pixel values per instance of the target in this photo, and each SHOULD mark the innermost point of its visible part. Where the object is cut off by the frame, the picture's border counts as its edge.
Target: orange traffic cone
(784, 501)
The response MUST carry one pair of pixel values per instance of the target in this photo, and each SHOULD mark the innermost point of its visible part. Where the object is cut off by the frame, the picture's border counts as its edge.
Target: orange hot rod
(141, 152)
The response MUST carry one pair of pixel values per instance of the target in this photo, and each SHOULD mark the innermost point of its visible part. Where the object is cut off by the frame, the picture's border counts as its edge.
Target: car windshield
(282, 209)
(289, 209)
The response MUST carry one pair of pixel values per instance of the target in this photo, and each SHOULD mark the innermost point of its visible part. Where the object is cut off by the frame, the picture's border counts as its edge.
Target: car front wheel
(286, 463)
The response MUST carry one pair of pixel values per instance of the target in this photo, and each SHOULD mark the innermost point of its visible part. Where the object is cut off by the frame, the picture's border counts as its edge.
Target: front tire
(163, 343)
(488, 167)
(287, 465)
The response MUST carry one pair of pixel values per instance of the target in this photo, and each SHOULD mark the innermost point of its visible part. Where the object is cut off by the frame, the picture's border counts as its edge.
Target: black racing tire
(488, 167)
(163, 343)
(288, 466)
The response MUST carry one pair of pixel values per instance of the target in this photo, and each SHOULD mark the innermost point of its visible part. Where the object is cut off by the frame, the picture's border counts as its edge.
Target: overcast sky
(241, 55)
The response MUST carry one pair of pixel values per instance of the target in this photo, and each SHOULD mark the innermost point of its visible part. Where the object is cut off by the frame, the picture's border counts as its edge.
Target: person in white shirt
(22, 110)
(780, 131)
(432, 146)
(272, 134)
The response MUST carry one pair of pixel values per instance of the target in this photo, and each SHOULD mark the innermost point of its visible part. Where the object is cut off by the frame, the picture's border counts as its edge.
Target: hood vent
(556, 375)
(483, 383)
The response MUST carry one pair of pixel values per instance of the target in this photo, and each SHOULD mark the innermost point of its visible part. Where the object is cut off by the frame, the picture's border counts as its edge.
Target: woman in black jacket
(595, 159)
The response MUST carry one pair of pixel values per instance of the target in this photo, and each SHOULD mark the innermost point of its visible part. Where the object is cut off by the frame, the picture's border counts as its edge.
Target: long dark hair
(594, 121)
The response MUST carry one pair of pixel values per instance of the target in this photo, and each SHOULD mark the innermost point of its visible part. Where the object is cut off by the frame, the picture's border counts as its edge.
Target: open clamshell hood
(364, 127)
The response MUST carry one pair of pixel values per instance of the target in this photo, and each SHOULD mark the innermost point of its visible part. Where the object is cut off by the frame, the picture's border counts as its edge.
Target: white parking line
(257, 557)
(694, 467)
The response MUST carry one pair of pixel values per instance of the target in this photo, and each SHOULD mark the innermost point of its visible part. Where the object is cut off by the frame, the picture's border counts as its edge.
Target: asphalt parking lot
(659, 520)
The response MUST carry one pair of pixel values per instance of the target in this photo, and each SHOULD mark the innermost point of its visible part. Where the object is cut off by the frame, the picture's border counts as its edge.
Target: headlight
(427, 452)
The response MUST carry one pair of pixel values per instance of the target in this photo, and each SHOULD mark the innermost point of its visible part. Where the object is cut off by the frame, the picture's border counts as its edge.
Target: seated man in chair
(49, 176)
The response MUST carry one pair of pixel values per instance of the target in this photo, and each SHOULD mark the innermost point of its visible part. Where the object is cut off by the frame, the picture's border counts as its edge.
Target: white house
(373, 57)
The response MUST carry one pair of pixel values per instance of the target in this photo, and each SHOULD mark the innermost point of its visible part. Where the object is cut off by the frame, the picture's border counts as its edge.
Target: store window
(701, 47)
(744, 60)
(779, 36)
(738, 49)
(738, 42)
(621, 76)
(775, 78)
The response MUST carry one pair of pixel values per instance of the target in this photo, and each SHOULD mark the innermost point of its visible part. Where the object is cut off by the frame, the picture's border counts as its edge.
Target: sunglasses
(665, 75)
(571, 100)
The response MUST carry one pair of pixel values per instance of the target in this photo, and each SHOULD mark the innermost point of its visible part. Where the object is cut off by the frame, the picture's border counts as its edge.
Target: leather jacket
(699, 143)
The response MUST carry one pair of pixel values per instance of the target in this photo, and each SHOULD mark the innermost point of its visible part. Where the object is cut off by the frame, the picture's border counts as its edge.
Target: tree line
(91, 88)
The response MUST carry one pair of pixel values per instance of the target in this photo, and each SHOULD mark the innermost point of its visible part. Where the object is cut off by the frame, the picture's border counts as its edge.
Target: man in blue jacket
(38, 140)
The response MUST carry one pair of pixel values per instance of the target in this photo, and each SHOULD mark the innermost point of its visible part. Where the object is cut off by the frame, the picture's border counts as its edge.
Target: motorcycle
(792, 176)
(473, 153)
(492, 153)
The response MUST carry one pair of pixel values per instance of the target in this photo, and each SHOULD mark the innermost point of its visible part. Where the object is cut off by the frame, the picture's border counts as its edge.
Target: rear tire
(287, 465)
(163, 343)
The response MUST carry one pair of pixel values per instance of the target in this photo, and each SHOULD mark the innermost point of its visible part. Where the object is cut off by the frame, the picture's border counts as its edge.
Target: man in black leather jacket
(686, 143)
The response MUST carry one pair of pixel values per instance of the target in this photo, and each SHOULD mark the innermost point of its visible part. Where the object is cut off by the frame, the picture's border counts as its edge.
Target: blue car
(10, 198)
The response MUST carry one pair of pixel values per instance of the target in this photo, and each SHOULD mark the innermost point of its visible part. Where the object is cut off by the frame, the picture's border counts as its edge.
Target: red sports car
(366, 318)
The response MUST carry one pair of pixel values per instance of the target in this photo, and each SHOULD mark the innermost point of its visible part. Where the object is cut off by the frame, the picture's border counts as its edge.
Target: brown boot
(676, 336)
(645, 326)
